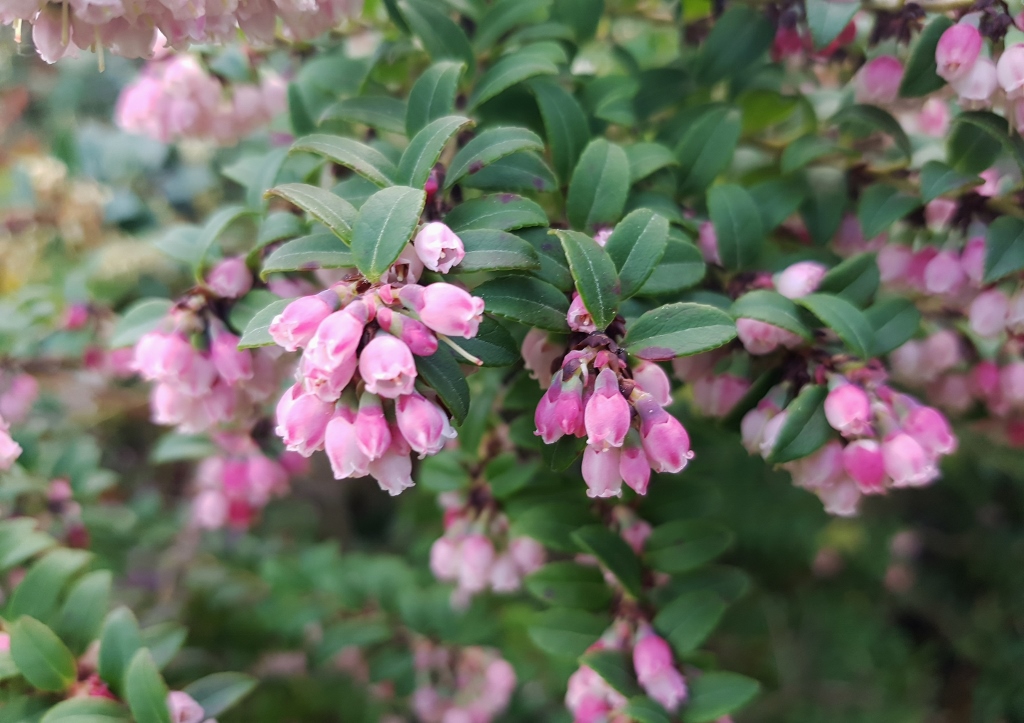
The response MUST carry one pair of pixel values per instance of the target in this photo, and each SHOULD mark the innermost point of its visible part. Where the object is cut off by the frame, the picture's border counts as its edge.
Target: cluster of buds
(357, 394)
(468, 552)
(175, 98)
(186, 709)
(953, 274)
(592, 700)
(130, 27)
(235, 485)
(460, 685)
(889, 440)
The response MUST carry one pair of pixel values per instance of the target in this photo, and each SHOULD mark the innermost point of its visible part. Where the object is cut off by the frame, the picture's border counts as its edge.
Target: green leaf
(599, 185)
(377, 111)
(845, 319)
(646, 158)
(504, 212)
(919, 77)
(492, 345)
(971, 149)
(873, 118)
(824, 204)
(164, 640)
(488, 147)
(614, 553)
(565, 124)
(212, 230)
(805, 430)
(739, 38)
(87, 710)
(278, 226)
(301, 121)
(248, 306)
(257, 331)
(737, 223)
(264, 177)
(433, 95)
(176, 447)
(529, 301)
(685, 545)
(570, 585)
(938, 179)
(679, 329)
(880, 206)
(895, 321)
(38, 593)
(637, 246)
(518, 172)
(645, 710)
(856, 279)
(764, 108)
(613, 667)
(491, 249)
(317, 251)
(681, 267)
(827, 18)
(777, 199)
(334, 212)
(8, 669)
(582, 16)
(566, 633)
(384, 226)
(145, 690)
(19, 540)
(120, 638)
(42, 658)
(594, 272)
(425, 149)
(507, 72)
(368, 162)
(441, 371)
(807, 149)
(1004, 248)
(688, 620)
(441, 37)
(554, 269)
(220, 691)
(992, 126)
(772, 308)
(505, 15)
(718, 694)
(707, 147)
(551, 523)
(139, 319)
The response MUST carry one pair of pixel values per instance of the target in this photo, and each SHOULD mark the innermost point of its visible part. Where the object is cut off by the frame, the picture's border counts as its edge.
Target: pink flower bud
(759, 337)
(393, 471)
(445, 308)
(76, 316)
(302, 420)
(230, 278)
(607, 414)
(770, 433)
(656, 672)
(956, 51)
(906, 461)
(16, 402)
(424, 425)
(387, 367)
(602, 236)
(540, 355)
(325, 378)
(347, 459)
(931, 430)
(984, 379)
(444, 559)
(841, 498)
(529, 555)
(937, 214)
(987, 313)
(944, 274)
(934, 118)
(210, 510)
(420, 340)
(438, 247)
(651, 378)
(233, 364)
(184, 708)
(893, 262)
(800, 279)
(338, 336)
(601, 472)
(9, 449)
(878, 82)
(476, 556)
(820, 469)
(707, 241)
(977, 87)
(848, 410)
(1010, 71)
(634, 468)
(863, 461)
(295, 326)
(560, 410)
(373, 435)
(753, 424)
(665, 441)
(953, 393)
(715, 396)
(504, 575)
(579, 318)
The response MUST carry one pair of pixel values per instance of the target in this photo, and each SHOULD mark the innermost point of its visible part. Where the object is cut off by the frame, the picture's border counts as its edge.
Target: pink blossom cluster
(467, 685)
(357, 394)
(131, 27)
(176, 98)
(888, 440)
(592, 700)
(952, 273)
(760, 337)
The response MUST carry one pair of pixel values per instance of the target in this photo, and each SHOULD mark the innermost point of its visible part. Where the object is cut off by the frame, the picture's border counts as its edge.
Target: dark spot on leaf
(656, 353)
(475, 166)
(538, 183)
(507, 197)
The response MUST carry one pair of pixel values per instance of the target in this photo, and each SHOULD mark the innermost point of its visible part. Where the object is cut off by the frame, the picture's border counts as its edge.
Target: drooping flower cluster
(357, 395)
(175, 98)
(468, 552)
(460, 685)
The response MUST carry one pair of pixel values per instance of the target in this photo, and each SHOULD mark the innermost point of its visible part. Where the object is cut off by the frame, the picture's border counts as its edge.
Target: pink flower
(373, 434)
(16, 402)
(295, 326)
(420, 340)
(347, 459)
(1014, 318)
(651, 378)
(715, 396)
(841, 497)
(937, 214)
(602, 236)
(1010, 71)
(848, 410)
(424, 425)
(878, 82)
(607, 414)
(770, 433)
(931, 430)
(707, 241)
(863, 461)
(753, 424)
(233, 364)
(906, 461)
(759, 337)
(601, 471)
(987, 313)
(338, 336)
(444, 558)
(976, 88)
(393, 471)
(893, 263)
(529, 555)
(476, 556)
(504, 575)
(210, 510)
(302, 420)
(634, 468)
(656, 671)
(578, 317)
(323, 377)
(387, 367)
(9, 449)
(800, 279)
(445, 308)
(665, 441)
(184, 708)
(819, 470)
(944, 274)
(230, 278)
(560, 410)
(539, 356)
(957, 50)
(438, 247)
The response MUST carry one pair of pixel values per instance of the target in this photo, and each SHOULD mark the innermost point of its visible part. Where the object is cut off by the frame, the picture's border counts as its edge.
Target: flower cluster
(460, 685)
(175, 98)
(357, 395)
